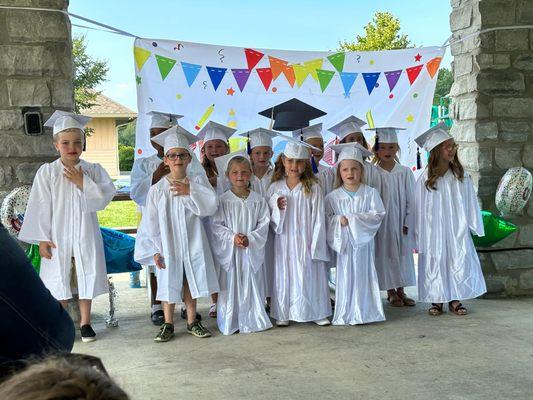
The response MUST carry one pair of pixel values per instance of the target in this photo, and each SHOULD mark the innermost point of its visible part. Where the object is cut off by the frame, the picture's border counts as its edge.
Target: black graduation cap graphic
(292, 115)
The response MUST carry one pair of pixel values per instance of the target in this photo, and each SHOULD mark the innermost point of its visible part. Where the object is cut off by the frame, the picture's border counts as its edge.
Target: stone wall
(492, 108)
(35, 70)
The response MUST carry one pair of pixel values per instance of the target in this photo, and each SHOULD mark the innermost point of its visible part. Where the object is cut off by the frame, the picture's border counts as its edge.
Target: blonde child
(61, 219)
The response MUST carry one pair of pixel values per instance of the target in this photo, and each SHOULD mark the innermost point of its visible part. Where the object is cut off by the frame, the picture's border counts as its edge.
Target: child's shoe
(166, 333)
(197, 329)
(322, 322)
(87, 334)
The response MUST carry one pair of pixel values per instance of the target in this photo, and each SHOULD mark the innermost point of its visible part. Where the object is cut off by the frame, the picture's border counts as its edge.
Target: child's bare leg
(168, 310)
(190, 303)
(85, 311)
(214, 298)
(64, 303)
(153, 287)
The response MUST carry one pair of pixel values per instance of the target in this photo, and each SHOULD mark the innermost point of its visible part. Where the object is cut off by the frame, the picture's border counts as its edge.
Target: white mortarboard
(163, 120)
(223, 161)
(260, 137)
(295, 148)
(309, 132)
(337, 148)
(63, 120)
(349, 153)
(175, 137)
(215, 131)
(352, 124)
(387, 134)
(433, 137)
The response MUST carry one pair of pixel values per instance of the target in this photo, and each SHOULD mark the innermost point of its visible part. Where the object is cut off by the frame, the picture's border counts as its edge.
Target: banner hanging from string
(230, 85)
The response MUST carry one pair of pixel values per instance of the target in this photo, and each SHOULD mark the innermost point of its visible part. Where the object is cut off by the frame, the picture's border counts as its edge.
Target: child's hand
(241, 241)
(181, 188)
(282, 203)
(344, 221)
(44, 249)
(159, 261)
(405, 230)
(244, 241)
(160, 172)
(74, 175)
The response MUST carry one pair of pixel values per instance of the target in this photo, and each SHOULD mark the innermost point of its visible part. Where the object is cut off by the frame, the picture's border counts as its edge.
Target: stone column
(492, 109)
(36, 70)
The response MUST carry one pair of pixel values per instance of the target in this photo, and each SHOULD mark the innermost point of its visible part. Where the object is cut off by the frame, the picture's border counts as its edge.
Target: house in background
(102, 145)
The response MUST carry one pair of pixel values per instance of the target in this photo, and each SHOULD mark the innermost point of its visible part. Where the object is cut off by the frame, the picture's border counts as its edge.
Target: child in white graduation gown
(394, 241)
(175, 238)
(300, 292)
(61, 219)
(354, 212)
(240, 227)
(447, 213)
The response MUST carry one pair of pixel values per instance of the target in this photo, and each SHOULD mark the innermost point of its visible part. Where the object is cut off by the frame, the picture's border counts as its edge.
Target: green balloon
(496, 229)
(34, 257)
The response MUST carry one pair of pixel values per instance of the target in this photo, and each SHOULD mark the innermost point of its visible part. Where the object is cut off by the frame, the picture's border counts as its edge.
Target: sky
(278, 24)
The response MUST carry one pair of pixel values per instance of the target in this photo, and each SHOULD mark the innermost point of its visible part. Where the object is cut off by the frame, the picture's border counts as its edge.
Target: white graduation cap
(338, 148)
(387, 134)
(295, 148)
(260, 137)
(63, 120)
(163, 119)
(352, 124)
(215, 131)
(433, 137)
(175, 137)
(223, 161)
(309, 132)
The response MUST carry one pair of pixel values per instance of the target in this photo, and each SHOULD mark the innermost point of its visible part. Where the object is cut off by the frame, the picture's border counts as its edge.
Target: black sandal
(458, 309)
(435, 309)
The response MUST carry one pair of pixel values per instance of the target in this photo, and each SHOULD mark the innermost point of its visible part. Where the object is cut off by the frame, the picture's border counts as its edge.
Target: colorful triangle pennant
(289, 75)
(337, 60)
(241, 77)
(252, 57)
(433, 66)
(216, 74)
(277, 66)
(301, 72)
(324, 77)
(348, 79)
(190, 71)
(312, 66)
(413, 72)
(370, 79)
(140, 55)
(392, 78)
(265, 74)
(165, 65)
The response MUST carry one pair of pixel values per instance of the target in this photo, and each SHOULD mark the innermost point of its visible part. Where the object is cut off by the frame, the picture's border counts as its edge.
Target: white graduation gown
(394, 250)
(448, 265)
(59, 212)
(357, 296)
(240, 305)
(326, 178)
(172, 226)
(141, 178)
(300, 291)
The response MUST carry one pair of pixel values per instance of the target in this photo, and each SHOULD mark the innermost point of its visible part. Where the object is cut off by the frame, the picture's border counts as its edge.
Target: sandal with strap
(435, 309)
(458, 309)
(395, 302)
(407, 301)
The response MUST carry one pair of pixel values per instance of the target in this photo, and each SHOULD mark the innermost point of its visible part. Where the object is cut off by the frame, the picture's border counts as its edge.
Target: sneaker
(183, 314)
(213, 310)
(166, 333)
(322, 322)
(282, 323)
(158, 317)
(87, 334)
(197, 329)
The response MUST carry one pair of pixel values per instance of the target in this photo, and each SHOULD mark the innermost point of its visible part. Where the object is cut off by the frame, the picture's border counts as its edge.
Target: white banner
(230, 85)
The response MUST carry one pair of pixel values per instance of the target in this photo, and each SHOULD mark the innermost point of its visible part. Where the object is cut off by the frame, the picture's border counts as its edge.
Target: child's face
(318, 143)
(387, 151)
(154, 132)
(69, 144)
(261, 156)
(448, 150)
(215, 148)
(177, 159)
(239, 174)
(350, 171)
(294, 167)
(354, 137)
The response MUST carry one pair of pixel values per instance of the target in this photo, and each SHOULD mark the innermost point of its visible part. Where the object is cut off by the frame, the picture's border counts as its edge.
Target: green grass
(118, 214)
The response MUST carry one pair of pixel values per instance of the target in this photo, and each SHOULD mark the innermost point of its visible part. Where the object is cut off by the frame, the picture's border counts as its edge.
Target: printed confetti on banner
(265, 74)
(277, 66)
(337, 60)
(141, 56)
(165, 65)
(370, 119)
(433, 66)
(348, 79)
(252, 57)
(370, 79)
(216, 74)
(241, 76)
(392, 78)
(324, 77)
(413, 72)
(190, 71)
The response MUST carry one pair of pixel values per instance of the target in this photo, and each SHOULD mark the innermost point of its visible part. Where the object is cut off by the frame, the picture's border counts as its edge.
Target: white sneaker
(322, 322)
(282, 323)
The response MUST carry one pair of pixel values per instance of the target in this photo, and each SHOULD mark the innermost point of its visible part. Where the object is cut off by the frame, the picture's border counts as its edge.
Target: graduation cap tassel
(248, 146)
(418, 158)
(313, 165)
(376, 143)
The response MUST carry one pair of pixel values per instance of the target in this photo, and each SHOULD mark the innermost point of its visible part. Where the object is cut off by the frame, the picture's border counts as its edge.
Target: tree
(88, 74)
(444, 84)
(125, 157)
(382, 33)
(126, 134)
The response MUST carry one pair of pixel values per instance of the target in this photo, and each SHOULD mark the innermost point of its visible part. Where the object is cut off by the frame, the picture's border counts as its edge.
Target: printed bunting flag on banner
(230, 85)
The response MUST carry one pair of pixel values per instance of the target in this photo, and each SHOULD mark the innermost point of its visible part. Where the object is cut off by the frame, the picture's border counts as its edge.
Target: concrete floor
(485, 355)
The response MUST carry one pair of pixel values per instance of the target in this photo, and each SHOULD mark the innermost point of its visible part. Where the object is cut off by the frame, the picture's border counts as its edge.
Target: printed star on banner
(138, 79)
(410, 118)
(230, 91)
(418, 57)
